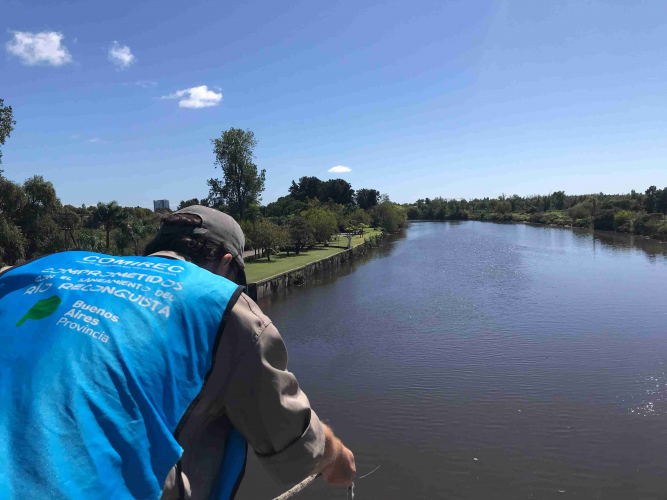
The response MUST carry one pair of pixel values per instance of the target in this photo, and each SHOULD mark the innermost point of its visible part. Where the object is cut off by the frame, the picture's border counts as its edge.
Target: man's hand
(339, 468)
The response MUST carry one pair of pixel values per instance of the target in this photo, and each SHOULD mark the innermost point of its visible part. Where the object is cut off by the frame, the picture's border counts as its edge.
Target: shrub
(623, 217)
(581, 210)
(604, 221)
(536, 218)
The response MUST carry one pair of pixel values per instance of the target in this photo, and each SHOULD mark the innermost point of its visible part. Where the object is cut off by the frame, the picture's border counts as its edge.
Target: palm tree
(109, 215)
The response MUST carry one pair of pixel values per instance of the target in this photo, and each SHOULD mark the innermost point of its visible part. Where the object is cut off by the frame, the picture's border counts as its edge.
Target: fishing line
(310, 479)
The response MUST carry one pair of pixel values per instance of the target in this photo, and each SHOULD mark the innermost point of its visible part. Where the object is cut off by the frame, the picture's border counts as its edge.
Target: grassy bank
(259, 269)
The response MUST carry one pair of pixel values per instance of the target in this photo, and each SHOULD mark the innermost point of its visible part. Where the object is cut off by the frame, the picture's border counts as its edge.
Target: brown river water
(479, 360)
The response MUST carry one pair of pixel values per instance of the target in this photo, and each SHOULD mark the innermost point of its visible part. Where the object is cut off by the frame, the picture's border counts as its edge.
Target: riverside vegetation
(34, 221)
(635, 213)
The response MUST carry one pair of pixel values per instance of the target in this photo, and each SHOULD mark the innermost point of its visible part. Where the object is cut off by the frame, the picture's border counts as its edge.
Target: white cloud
(197, 97)
(121, 56)
(75, 137)
(39, 48)
(340, 169)
(95, 139)
(146, 84)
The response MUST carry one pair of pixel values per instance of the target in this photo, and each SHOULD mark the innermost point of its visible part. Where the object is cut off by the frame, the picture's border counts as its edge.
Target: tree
(90, 240)
(367, 198)
(284, 206)
(137, 229)
(323, 223)
(339, 212)
(12, 243)
(300, 232)
(12, 198)
(241, 184)
(503, 206)
(559, 200)
(338, 190)
(69, 220)
(388, 216)
(651, 199)
(109, 215)
(188, 203)
(37, 218)
(41, 196)
(360, 216)
(7, 123)
(122, 239)
(269, 237)
(661, 202)
(307, 188)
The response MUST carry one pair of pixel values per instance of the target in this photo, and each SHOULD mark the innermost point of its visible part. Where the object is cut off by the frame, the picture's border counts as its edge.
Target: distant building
(160, 204)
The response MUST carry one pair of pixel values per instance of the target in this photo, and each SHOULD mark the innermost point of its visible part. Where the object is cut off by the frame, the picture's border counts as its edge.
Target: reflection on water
(479, 360)
(655, 250)
(329, 276)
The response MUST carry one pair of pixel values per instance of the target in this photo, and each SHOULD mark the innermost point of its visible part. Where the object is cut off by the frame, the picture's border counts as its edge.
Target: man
(145, 377)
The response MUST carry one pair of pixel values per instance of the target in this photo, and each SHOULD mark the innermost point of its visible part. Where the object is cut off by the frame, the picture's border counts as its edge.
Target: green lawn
(261, 269)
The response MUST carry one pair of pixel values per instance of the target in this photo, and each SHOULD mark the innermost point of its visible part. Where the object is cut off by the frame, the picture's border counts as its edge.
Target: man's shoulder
(246, 319)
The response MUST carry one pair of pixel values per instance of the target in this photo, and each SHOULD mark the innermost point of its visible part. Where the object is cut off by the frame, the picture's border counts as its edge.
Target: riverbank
(620, 221)
(299, 275)
(258, 269)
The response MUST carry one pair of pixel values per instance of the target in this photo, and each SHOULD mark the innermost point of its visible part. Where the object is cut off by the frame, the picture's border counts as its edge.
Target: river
(480, 360)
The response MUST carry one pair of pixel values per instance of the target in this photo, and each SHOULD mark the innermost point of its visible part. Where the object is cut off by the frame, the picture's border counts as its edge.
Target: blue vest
(101, 360)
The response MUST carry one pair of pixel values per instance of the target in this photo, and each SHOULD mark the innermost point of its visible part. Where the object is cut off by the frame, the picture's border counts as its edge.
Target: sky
(460, 99)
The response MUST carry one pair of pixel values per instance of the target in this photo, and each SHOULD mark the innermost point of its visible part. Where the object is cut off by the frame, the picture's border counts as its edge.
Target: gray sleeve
(265, 403)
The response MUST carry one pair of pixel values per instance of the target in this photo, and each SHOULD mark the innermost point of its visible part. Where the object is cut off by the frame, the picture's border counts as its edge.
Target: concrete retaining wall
(301, 275)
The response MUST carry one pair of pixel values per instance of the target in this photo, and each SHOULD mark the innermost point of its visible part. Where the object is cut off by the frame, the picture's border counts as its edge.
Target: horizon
(452, 101)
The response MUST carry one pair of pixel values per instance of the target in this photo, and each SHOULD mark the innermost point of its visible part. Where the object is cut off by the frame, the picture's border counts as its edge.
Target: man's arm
(265, 403)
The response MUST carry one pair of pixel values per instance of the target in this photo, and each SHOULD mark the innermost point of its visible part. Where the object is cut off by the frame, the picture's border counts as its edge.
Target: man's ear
(223, 264)
(226, 259)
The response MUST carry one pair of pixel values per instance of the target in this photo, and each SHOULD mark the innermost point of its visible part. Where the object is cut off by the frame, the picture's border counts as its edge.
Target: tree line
(34, 221)
(312, 212)
(636, 212)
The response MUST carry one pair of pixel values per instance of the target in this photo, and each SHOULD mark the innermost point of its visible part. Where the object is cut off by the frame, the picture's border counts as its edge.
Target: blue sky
(418, 99)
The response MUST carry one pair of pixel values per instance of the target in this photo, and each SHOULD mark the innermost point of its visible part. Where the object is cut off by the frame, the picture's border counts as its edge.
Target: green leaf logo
(42, 309)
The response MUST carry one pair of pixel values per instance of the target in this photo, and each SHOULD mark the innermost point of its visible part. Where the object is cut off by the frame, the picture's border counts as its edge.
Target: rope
(299, 487)
(306, 482)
